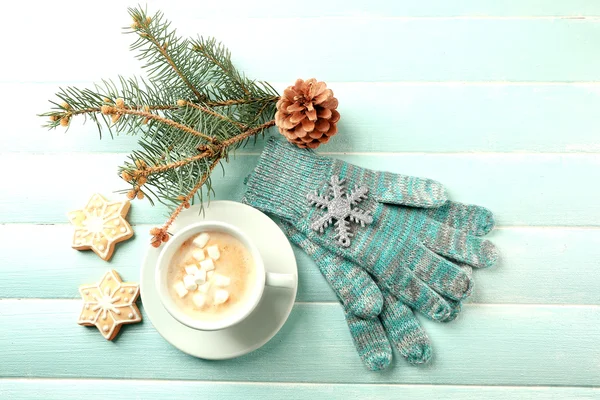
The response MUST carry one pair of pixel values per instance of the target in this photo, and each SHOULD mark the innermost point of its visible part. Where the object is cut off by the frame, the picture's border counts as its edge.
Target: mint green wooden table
(500, 101)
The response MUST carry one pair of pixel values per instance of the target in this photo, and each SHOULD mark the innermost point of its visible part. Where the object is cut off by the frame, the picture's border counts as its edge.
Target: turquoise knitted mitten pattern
(409, 254)
(369, 312)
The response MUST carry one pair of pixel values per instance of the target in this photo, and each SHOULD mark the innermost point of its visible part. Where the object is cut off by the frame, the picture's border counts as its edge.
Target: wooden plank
(407, 117)
(521, 189)
(499, 345)
(423, 50)
(399, 8)
(70, 389)
(343, 8)
(360, 48)
(538, 265)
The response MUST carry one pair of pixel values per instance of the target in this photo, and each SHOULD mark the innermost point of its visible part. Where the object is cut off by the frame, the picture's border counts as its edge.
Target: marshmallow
(180, 289)
(199, 300)
(200, 277)
(189, 282)
(198, 255)
(204, 288)
(201, 240)
(209, 274)
(221, 296)
(207, 265)
(221, 280)
(191, 269)
(213, 252)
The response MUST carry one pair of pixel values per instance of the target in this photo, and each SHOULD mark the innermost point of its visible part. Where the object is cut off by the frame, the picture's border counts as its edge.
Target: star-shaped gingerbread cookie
(109, 304)
(100, 225)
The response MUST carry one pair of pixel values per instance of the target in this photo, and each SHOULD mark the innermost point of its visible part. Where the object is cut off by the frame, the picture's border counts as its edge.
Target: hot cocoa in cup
(210, 275)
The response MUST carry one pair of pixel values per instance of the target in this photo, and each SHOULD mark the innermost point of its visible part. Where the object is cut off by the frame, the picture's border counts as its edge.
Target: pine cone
(306, 113)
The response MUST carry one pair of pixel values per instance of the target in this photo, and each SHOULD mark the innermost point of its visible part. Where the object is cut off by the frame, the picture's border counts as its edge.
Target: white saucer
(268, 317)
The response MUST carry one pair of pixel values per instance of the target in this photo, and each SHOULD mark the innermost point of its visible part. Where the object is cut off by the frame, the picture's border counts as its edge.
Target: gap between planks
(497, 227)
(336, 153)
(283, 85)
(428, 18)
(336, 303)
(283, 384)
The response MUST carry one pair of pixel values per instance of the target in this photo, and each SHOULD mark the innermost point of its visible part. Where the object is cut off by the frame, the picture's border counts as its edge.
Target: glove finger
(456, 308)
(370, 341)
(466, 268)
(353, 286)
(460, 246)
(445, 277)
(406, 286)
(404, 331)
(410, 191)
(472, 219)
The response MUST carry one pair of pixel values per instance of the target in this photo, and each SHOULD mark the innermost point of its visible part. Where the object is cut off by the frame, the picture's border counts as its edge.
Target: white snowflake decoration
(340, 208)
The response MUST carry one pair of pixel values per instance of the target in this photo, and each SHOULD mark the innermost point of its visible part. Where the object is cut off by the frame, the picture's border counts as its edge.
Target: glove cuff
(283, 178)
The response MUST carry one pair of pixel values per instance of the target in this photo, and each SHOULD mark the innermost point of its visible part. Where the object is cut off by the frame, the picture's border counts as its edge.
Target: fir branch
(234, 102)
(109, 110)
(191, 111)
(160, 235)
(211, 112)
(245, 135)
(158, 45)
(220, 57)
(88, 103)
(173, 165)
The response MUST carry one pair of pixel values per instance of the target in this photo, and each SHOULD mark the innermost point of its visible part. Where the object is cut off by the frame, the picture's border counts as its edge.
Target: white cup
(255, 289)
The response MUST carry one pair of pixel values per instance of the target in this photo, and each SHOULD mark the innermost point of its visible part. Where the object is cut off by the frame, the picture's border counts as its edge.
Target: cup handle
(280, 280)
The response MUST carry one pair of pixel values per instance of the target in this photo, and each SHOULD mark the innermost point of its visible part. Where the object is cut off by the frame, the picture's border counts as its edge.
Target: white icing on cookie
(100, 225)
(106, 305)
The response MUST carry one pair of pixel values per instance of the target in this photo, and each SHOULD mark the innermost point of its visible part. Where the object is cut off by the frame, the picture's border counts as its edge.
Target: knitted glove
(402, 250)
(370, 312)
